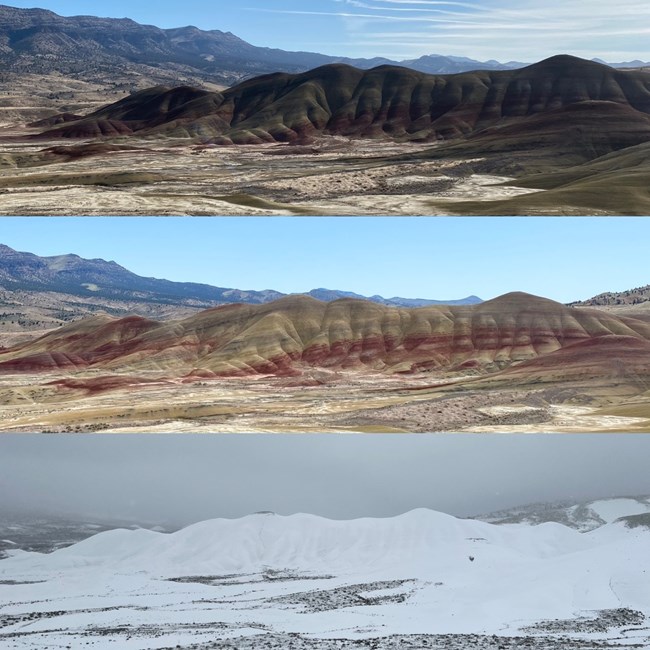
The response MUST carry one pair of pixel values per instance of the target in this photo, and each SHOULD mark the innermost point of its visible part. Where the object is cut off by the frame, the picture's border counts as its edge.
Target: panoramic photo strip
(324, 325)
(344, 107)
(249, 542)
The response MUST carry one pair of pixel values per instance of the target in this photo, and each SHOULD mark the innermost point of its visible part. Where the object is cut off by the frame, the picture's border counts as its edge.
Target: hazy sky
(182, 479)
(523, 30)
(564, 259)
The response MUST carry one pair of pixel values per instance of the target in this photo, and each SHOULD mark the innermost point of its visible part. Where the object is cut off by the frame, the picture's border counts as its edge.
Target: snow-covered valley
(421, 580)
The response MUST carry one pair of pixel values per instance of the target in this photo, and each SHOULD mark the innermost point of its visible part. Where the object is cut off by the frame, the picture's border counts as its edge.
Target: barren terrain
(332, 176)
(515, 363)
(26, 98)
(343, 402)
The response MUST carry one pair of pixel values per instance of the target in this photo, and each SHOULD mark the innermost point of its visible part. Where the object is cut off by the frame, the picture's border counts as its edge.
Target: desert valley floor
(331, 176)
(347, 403)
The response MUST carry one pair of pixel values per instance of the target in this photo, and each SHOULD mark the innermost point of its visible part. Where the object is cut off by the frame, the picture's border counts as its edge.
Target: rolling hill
(631, 297)
(307, 582)
(633, 303)
(537, 119)
(563, 167)
(584, 516)
(611, 360)
(518, 333)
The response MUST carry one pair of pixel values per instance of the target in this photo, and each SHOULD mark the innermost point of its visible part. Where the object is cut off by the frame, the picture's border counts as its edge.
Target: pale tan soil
(229, 406)
(11, 339)
(555, 409)
(346, 402)
(640, 311)
(574, 419)
(34, 313)
(26, 98)
(337, 177)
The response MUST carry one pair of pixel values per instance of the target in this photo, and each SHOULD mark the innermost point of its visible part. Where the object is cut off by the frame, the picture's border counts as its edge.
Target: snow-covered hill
(421, 576)
(584, 516)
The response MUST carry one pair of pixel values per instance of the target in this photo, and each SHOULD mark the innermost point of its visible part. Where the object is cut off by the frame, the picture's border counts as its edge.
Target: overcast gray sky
(184, 479)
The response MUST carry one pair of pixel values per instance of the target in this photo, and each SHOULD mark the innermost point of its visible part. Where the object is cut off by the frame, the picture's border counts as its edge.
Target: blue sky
(523, 30)
(437, 258)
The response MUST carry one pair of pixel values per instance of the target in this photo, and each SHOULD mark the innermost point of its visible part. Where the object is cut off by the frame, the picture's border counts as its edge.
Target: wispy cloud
(524, 29)
(422, 8)
(420, 3)
(377, 17)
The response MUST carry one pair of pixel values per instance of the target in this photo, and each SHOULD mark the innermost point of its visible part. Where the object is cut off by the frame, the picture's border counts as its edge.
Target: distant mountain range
(45, 292)
(40, 41)
(71, 274)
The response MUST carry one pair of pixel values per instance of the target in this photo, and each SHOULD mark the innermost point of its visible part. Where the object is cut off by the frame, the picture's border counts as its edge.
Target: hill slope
(397, 103)
(298, 332)
(631, 297)
(574, 181)
(583, 516)
(302, 581)
(616, 360)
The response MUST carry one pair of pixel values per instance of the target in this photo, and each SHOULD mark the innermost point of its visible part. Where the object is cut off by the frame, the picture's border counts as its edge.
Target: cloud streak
(341, 14)
(500, 29)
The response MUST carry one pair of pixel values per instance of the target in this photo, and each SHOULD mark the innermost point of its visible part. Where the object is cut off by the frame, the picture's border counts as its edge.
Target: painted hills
(564, 136)
(529, 339)
(557, 100)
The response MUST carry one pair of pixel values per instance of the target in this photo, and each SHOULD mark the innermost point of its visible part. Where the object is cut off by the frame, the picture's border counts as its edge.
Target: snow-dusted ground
(610, 510)
(584, 516)
(422, 580)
